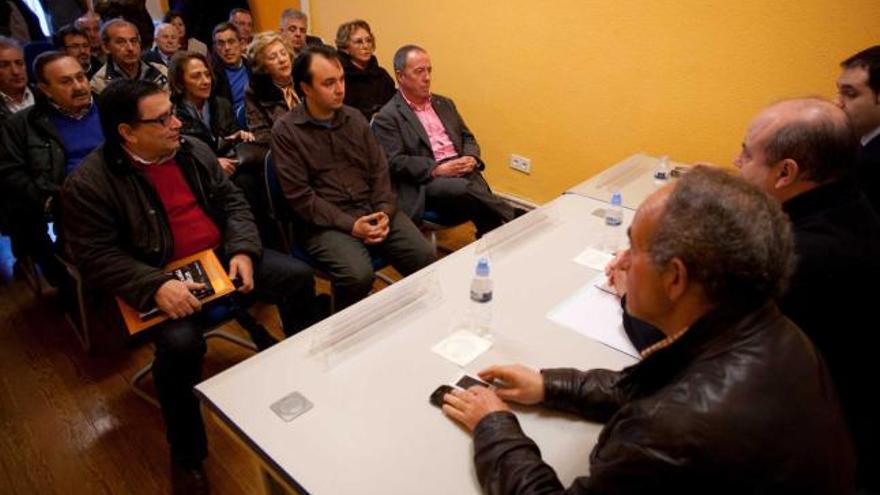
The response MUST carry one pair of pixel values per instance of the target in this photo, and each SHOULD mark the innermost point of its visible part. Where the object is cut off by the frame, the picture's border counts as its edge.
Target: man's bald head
(812, 132)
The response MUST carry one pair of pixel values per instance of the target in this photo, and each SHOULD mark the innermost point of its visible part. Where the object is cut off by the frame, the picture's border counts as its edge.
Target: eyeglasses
(165, 119)
(368, 41)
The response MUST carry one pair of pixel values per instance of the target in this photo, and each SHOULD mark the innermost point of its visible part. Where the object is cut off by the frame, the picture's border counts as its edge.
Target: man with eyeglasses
(232, 72)
(122, 43)
(434, 158)
(150, 196)
(75, 42)
(44, 144)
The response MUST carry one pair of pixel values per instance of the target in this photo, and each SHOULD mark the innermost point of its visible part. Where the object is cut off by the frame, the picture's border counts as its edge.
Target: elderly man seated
(734, 399)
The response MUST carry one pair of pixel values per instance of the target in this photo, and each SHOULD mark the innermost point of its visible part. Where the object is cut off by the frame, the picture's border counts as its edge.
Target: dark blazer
(410, 157)
(869, 171)
(153, 55)
(831, 296)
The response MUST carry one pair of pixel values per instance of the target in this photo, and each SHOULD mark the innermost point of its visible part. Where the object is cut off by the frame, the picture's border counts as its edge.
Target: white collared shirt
(26, 101)
(869, 136)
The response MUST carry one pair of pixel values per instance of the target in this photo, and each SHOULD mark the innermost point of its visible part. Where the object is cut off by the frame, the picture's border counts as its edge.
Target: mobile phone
(463, 382)
(437, 395)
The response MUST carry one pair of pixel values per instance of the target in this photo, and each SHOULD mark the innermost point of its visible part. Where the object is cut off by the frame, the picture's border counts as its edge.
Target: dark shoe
(188, 480)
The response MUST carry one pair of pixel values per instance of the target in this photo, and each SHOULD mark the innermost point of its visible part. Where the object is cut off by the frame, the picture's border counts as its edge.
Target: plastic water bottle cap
(483, 267)
(616, 199)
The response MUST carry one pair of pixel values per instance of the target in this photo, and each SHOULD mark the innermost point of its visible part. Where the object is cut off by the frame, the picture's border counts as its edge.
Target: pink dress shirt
(441, 145)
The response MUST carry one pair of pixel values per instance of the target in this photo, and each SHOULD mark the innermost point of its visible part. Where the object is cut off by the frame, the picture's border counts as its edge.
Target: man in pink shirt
(433, 157)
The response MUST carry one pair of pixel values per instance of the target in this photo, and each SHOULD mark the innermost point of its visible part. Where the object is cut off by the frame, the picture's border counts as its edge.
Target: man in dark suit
(165, 44)
(858, 94)
(433, 156)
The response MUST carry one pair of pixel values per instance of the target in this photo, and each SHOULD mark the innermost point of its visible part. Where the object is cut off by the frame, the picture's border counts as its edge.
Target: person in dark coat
(270, 93)
(858, 94)
(145, 198)
(734, 400)
(367, 85)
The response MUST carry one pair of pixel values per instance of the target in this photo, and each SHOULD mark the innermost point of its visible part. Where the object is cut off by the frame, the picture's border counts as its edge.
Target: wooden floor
(69, 422)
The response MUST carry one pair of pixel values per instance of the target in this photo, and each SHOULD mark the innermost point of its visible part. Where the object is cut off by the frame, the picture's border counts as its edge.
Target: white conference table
(633, 177)
(372, 429)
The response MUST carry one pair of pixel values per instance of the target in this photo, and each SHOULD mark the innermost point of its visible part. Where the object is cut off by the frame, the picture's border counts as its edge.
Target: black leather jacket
(741, 403)
(116, 228)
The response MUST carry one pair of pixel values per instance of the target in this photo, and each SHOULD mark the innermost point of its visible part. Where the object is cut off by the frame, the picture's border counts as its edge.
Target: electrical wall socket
(521, 163)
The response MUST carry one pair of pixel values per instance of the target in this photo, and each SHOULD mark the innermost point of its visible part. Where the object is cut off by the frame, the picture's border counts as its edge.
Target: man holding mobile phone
(335, 177)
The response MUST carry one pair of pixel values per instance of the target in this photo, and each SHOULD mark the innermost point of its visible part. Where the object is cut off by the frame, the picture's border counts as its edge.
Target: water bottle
(614, 212)
(481, 300)
(662, 172)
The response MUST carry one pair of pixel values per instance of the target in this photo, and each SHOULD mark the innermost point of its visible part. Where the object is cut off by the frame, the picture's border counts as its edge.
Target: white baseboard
(517, 201)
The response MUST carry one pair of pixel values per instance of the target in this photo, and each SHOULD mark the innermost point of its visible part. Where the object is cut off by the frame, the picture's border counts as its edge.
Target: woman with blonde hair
(270, 92)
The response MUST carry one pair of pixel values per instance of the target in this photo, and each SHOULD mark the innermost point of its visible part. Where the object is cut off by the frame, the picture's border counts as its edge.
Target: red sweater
(191, 228)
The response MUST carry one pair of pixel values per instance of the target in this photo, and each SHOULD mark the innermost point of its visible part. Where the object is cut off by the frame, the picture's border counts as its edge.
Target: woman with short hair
(368, 87)
(270, 93)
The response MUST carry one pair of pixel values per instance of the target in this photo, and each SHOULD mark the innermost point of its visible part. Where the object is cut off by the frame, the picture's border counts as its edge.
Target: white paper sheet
(593, 258)
(595, 314)
(462, 347)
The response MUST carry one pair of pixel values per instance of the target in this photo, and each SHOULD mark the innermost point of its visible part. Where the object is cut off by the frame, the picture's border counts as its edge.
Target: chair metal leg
(82, 329)
(136, 380)
(142, 373)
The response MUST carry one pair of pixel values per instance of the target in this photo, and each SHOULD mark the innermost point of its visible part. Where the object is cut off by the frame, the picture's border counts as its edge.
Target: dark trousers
(180, 348)
(347, 259)
(467, 198)
(29, 234)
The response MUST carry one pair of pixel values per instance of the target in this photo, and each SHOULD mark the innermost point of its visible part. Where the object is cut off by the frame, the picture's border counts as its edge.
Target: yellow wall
(267, 13)
(577, 85)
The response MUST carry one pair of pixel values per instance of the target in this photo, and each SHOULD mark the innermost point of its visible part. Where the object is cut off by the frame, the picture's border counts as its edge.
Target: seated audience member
(203, 116)
(293, 29)
(15, 94)
(133, 11)
(165, 44)
(146, 198)
(245, 23)
(75, 43)
(231, 71)
(858, 89)
(270, 93)
(803, 153)
(122, 43)
(367, 86)
(90, 23)
(185, 42)
(734, 400)
(44, 144)
(434, 158)
(335, 177)
(209, 118)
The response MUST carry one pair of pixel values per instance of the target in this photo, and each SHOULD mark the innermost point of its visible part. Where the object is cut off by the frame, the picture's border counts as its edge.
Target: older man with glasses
(145, 198)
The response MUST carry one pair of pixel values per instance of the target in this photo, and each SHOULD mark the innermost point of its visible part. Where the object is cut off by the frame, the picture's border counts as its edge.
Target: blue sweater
(79, 136)
(238, 81)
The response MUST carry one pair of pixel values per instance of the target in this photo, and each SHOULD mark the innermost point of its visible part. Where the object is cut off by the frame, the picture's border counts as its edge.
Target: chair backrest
(279, 209)
(31, 50)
